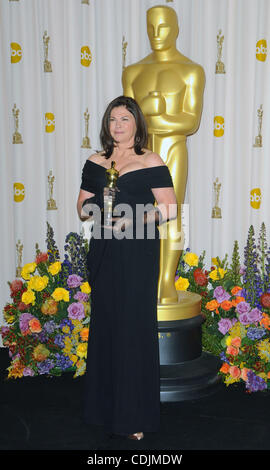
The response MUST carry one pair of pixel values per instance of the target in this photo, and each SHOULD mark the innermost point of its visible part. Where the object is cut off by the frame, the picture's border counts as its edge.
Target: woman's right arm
(81, 198)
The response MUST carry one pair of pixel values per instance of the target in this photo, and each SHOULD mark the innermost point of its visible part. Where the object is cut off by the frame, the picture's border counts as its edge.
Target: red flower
(41, 258)
(16, 286)
(200, 277)
(265, 300)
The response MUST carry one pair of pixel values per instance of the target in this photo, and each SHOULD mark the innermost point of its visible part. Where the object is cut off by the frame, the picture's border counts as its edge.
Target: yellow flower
(82, 350)
(73, 358)
(182, 283)
(191, 259)
(60, 294)
(54, 268)
(38, 283)
(27, 269)
(10, 319)
(85, 288)
(29, 297)
(217, 274)
(66, 329)
(228, 340)
(215, 262)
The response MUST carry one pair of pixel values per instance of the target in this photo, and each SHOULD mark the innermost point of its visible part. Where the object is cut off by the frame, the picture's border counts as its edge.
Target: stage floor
(45, 414)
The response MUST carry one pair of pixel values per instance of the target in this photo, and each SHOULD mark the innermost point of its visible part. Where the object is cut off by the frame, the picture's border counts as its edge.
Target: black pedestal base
(190, 380)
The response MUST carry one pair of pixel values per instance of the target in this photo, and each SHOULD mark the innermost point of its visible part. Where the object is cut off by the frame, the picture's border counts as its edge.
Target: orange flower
(244, 372)
(235, 290)
(236, 342)
(225, 368)
(265, 321)
(35, 325)
(232, 350)
(84, 334)
(235, 372)
(237, 300)
(213, 305)
(268, 375)
(226, 305)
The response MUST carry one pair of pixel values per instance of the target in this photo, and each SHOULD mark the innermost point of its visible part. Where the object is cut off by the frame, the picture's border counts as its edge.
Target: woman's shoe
(137, 436)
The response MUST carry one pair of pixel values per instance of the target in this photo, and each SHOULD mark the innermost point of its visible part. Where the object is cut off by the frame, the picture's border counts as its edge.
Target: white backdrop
(86, 56)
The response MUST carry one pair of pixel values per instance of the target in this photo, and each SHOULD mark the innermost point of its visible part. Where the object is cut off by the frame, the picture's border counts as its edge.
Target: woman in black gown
(122, 377)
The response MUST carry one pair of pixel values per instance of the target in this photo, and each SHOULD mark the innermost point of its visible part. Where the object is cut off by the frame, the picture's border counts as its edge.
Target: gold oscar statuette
(51, 204)
(109, 193)
(19, 250)
(17, 138)
(86, 140)
(124, 52)
(85, 2)
(168, 87)
(220, 67)
(216, 211)
(47, 63)
(258, 138)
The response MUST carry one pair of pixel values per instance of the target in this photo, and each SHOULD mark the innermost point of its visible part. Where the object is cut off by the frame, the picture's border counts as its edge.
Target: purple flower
(242, 270)
(255, 382)
(74, 281)
(63, 362)
(24, 321)
(220, 294)
(76, 311)
(81, 296)
(255, 333)
(224, 325)
(243, 307)
(255, 315)
(49, 326)
(244, 319)
(27, 371)
(44, 367)
(59, 341)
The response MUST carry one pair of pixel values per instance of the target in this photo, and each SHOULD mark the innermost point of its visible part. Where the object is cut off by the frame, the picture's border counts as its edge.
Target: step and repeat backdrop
(61, 64)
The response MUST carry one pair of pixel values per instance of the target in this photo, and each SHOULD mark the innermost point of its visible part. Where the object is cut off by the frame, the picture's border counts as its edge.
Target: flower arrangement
(236, 308)
(48, 319)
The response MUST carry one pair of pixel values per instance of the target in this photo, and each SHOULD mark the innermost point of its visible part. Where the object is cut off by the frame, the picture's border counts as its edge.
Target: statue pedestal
(185, 371)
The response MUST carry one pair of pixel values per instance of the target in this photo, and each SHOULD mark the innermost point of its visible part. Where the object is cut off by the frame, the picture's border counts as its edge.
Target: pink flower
(243, 307)
(232, 350)
(74, 281)
(76, 311)
(235, 372)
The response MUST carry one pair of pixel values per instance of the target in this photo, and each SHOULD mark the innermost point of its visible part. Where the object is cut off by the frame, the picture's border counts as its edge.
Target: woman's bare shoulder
(96, 157)
(152, 159)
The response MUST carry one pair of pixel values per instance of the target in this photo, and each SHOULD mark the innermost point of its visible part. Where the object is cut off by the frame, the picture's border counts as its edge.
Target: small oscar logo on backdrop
(85, 2)
(124, 52)
(220, 67)
(261, 50)
(51, 204)
(49, 122)
(47, 63)
(19, 250)
(16, 52)
(258, 138)
(86, 56)
(19, 192)
(255, 198)
(218, 126)
(86, 140)
(216, 211)
(16, 138)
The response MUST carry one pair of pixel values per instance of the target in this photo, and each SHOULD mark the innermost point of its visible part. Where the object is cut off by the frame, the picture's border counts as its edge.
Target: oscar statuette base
(186, 372)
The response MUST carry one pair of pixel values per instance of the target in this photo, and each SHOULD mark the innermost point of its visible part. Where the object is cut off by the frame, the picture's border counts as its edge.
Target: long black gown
(122, 376)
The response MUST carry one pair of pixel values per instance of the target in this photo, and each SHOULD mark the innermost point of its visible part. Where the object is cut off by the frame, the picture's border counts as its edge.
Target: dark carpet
(44, 414)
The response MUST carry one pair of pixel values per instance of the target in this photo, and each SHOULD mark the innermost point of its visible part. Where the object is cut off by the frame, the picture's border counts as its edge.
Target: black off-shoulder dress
(122, 376)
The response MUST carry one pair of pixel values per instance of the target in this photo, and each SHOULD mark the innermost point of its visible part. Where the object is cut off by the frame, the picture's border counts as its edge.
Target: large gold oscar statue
(169, 89)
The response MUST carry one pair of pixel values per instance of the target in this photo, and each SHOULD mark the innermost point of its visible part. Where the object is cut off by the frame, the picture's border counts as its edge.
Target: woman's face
(122, 125)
